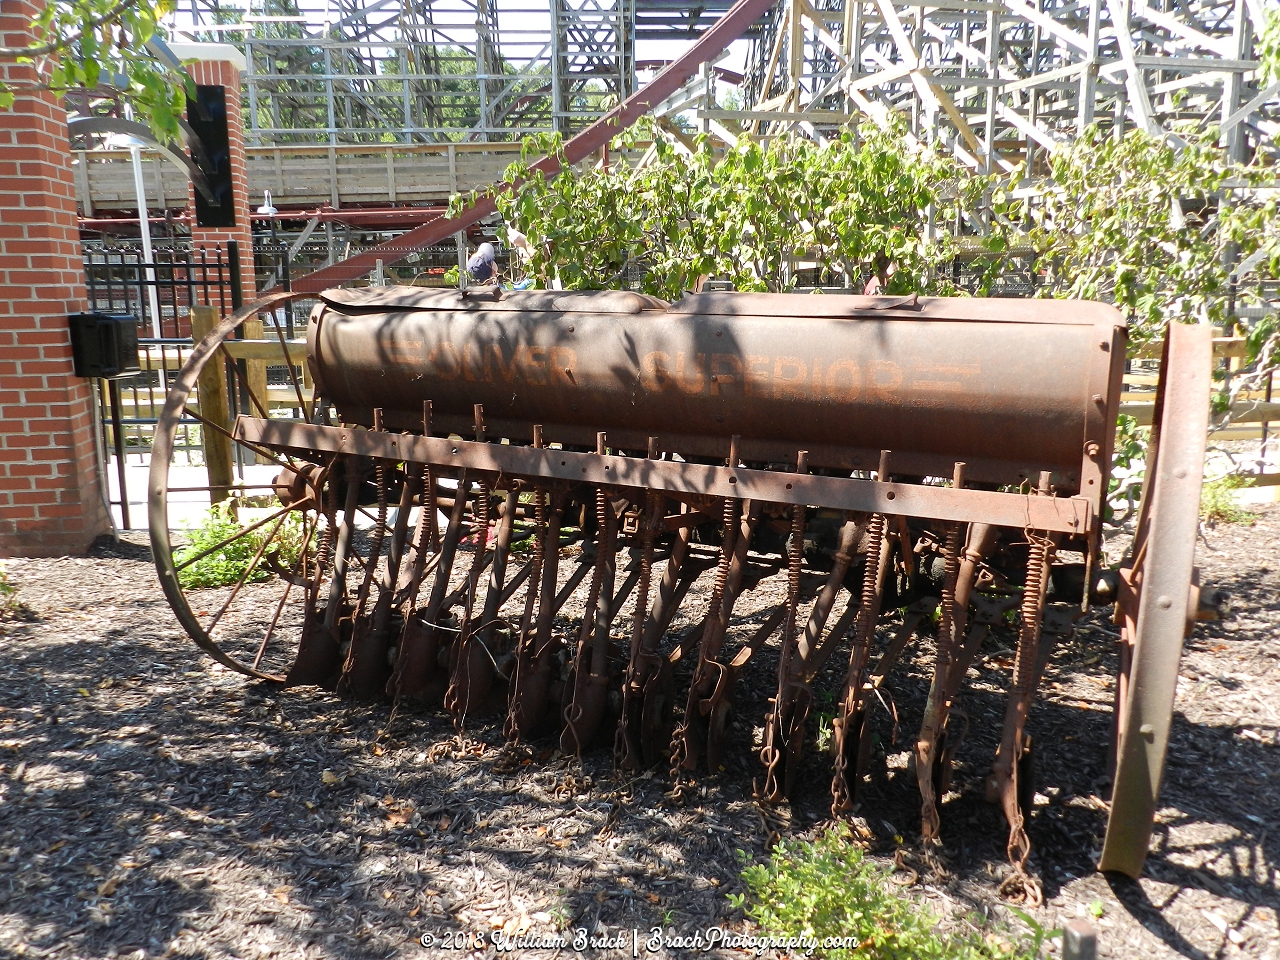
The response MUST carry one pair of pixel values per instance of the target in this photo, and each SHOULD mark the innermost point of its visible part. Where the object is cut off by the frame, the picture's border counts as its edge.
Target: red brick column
(226, 74)
(49, 495)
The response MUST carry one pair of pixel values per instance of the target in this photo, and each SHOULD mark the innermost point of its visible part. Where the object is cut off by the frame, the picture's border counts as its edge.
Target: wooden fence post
(256, 376)
(212, 394)
(256, 370)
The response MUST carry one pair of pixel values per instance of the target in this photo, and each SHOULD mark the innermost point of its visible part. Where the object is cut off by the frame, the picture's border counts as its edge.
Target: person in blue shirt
(480, 266)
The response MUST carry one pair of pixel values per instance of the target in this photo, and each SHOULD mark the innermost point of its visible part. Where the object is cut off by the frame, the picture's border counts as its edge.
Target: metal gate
(160, 293)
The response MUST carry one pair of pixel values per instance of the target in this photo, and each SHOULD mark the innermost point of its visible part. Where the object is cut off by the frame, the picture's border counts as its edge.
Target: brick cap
(209, 52)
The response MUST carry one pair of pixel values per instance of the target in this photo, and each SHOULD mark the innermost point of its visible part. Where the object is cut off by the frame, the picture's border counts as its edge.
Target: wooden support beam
(1242, 414)
(212, 391)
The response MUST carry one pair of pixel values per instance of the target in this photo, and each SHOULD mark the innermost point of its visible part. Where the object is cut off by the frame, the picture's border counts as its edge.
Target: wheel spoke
(293, 376)
(266, 637)
(302, 563)
(260, 451)
(244, 577)
(263, 411)
(248, 389)
(231, 539)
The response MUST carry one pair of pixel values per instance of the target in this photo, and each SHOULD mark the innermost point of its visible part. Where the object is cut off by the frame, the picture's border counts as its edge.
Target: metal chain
(770, 753)
(638, 618)
(935, 715)
(679, 746)
(526, 620)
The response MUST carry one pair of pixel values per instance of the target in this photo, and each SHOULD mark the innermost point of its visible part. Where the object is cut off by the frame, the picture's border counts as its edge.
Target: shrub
(1218, 501)
(231, 561)
(8, 594)
(1128, 469)
(827, 888)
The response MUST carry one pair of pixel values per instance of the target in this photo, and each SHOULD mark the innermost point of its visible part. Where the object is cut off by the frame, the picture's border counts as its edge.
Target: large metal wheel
(1155, 605)
(259, 524)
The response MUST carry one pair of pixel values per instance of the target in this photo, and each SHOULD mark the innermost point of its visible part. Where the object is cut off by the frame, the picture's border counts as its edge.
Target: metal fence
(160, 294)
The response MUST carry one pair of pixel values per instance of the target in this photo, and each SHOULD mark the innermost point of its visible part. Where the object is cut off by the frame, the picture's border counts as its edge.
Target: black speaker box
(104, 344)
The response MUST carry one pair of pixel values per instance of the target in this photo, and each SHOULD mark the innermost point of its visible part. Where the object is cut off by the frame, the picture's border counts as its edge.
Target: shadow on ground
(153, 802)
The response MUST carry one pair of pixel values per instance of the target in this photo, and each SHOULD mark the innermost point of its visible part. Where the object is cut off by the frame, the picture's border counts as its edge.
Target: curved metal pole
(190, 168)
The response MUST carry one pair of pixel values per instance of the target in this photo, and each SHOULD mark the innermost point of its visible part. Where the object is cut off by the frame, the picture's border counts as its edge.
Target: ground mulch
(153, 804)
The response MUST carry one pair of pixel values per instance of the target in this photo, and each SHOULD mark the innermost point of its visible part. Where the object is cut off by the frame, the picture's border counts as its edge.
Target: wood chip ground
(153, 804)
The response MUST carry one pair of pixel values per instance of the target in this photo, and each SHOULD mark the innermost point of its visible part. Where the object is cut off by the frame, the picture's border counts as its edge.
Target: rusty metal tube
(1011, 387)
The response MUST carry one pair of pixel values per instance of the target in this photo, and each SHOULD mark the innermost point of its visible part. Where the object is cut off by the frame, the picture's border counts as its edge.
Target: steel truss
(1000, 81)
(422, 71)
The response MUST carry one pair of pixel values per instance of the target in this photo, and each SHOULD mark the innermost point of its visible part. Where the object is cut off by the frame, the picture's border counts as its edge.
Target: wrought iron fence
(160, 294)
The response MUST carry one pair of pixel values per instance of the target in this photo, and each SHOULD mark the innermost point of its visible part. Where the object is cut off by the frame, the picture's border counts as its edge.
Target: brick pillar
(226, 74)
(50, 501)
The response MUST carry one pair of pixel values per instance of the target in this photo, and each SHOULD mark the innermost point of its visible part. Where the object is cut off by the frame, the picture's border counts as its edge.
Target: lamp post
(268, 210)
(148, 274)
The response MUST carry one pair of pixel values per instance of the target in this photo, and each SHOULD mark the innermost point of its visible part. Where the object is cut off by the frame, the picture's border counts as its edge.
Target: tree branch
(44, 49)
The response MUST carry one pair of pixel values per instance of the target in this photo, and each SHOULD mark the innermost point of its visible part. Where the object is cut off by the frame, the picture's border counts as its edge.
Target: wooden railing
(308, 176)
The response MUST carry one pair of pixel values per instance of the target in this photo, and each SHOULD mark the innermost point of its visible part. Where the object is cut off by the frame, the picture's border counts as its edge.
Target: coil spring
(1024, 667)
(482, 540)
(597, 572)
(1029, 627)
(539, 556)
(866, 617)
(582, 657)
(602, 504)
(325, 548)
(482, 514)
(429, 507)
(380, 475)
(864, 633)
(646, 573)
(539, 531)
(379, 534)
(951, 572)
(795, 556)
(729, 515)
(423, 535)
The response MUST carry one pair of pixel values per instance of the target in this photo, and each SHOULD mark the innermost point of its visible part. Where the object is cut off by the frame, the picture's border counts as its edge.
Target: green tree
(1156, 230)
(1165, 233)
(854, 205)
(1269, 47)
(93, 43)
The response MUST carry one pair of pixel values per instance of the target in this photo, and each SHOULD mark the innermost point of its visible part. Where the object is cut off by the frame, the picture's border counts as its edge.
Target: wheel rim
(1164, 555)
(268, 543)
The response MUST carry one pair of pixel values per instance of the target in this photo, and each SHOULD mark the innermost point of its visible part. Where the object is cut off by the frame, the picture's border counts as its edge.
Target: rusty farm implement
(547, 509)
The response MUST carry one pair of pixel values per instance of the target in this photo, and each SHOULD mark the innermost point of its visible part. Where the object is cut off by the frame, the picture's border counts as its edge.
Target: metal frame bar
(1071, 515)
